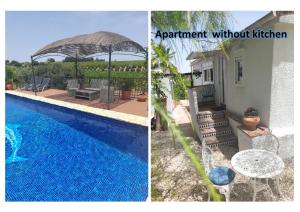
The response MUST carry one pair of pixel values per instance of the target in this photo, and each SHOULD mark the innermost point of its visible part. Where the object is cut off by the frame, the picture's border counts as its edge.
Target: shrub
(251, 112)
(60, 71)
(10, 74)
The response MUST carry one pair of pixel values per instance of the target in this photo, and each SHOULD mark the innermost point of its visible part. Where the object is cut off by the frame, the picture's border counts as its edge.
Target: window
(208, 75)
(239, 70)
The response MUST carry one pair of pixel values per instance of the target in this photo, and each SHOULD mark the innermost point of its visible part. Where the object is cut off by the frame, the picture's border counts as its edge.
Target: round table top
(257, 163)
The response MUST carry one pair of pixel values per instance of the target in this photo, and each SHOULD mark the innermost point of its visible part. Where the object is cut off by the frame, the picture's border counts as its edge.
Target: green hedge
(59, 71)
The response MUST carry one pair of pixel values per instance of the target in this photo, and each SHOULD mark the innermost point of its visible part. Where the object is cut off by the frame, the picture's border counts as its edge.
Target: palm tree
(208, 21)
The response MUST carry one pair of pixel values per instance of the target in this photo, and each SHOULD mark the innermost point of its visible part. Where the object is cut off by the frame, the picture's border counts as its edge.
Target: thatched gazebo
(82, 46)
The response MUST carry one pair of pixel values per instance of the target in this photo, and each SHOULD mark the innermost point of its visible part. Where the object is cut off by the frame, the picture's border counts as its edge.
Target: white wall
(197, 66)
(193, 105)
(282, 96)
(256, 90)
(201, 64)
(168, 92)
(282, 87)
(268, 86)
(218, 79)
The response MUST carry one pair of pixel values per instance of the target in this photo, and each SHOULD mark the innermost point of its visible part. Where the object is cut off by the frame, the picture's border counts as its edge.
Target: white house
(255, 73)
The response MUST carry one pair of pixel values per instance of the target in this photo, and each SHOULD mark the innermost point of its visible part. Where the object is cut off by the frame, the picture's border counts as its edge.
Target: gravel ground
(173, 178)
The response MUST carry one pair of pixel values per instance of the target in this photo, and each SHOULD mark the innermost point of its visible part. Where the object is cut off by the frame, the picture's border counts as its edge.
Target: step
(211, 114)
(220, 141)
(212, 122)
(207, 103)
(218, 131)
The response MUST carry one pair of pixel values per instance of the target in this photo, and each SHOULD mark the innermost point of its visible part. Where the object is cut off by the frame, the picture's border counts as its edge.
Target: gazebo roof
(90, 44)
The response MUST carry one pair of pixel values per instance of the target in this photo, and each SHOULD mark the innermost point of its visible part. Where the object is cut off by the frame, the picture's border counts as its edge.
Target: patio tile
(125, 106)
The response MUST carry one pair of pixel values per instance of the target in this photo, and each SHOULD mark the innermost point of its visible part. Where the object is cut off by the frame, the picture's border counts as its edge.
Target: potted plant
(142, 98)
(141, 86)
(126, 89)
(9, 85)
(10, 77)
(251, 118)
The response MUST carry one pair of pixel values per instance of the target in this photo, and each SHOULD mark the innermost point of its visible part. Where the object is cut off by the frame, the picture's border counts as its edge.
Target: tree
(10, 73)
(72, 59)
(15, 63)
(208, 21)
(51, 60)
(69, 59)
(184, 21)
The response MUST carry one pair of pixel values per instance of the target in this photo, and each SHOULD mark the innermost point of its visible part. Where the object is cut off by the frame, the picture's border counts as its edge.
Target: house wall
(282, 90)
(256, 89)
(197, 66)
(218, 79)
(282, 95)
(201, 64)
(193, 107)
(207, 63)
(166, 83)
(268, 85)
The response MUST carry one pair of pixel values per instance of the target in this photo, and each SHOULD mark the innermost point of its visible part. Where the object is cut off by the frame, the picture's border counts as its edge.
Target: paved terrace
(125, 106)
(173, 178)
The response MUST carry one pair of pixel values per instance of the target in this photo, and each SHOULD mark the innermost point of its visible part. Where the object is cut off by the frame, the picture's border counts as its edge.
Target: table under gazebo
(90, 45)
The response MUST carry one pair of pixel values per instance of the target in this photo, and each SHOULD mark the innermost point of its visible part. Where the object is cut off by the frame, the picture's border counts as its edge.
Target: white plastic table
(258, 164)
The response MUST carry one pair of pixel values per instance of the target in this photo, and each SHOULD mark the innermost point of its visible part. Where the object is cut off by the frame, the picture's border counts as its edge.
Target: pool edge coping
(129, 118)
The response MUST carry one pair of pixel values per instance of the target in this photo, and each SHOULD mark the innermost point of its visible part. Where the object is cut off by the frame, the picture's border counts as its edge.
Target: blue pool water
(58, 154)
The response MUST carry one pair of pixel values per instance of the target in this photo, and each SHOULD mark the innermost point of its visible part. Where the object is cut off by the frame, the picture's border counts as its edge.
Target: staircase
(215, 128)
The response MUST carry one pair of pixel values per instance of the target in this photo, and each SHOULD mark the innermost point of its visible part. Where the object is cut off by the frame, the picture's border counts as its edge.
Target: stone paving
(125, 106)
(135, 119)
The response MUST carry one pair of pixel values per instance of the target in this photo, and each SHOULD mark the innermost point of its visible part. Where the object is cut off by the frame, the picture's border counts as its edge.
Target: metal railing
(137, 86)
(205, 93)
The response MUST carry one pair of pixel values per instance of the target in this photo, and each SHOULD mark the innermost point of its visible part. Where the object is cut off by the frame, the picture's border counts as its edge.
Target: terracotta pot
(9, 86)
(126, 95)
(142, 98)
(251, 122)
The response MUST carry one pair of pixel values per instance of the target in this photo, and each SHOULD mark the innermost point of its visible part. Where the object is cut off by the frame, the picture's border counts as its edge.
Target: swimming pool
(59, 154)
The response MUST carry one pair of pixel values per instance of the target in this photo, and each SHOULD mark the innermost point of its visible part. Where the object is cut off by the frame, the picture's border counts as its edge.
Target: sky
(27, 32)
(240, 20)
